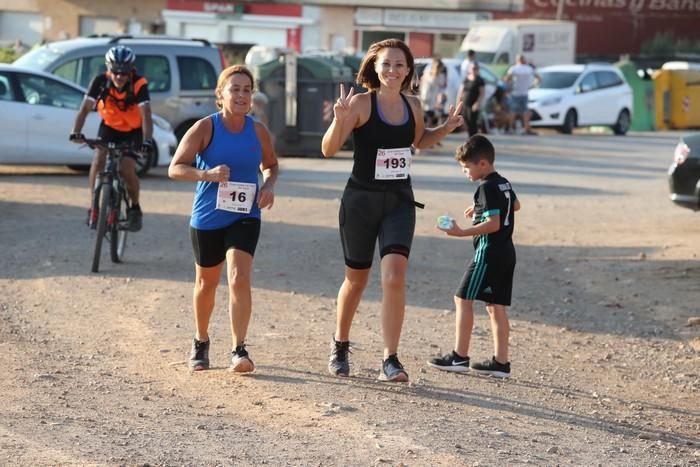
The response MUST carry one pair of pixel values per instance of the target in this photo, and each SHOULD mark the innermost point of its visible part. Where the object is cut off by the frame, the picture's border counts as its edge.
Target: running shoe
(392, 370)
(450, 362)
(240, 361)
(199, 355)
(492, 367)
(339, 362)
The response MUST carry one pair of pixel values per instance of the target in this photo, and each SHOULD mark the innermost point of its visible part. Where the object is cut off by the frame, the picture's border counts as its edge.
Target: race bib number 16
(235, 197)
(393, 164)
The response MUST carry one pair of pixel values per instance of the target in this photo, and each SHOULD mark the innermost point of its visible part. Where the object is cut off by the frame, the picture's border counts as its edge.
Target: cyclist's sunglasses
(120, 71)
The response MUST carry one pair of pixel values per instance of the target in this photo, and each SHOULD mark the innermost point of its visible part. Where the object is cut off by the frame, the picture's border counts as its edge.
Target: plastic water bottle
(445, 221)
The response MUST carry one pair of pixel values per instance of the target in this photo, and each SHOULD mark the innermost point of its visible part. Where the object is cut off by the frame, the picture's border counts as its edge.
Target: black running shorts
(489, 278)
(109, 134)
(210, 246)
(366, 216)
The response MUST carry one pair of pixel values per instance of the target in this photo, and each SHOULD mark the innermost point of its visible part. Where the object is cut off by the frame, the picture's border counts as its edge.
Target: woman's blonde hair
(225, 75)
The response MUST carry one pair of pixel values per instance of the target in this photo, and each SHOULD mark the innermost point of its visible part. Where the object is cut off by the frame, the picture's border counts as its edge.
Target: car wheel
(569, 122)
(623, 123)
(144, 164)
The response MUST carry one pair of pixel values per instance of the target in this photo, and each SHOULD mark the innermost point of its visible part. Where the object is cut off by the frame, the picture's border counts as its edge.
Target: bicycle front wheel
(118, 229)
(104, 208)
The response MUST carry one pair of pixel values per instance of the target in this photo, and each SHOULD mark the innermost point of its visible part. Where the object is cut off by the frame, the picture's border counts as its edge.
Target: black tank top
(376, 134)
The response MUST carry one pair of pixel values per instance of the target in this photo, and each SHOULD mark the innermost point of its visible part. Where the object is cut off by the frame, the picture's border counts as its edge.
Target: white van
(542, 42)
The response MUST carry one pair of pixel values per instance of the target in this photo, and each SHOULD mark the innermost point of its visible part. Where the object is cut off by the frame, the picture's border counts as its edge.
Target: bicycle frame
(110, 201)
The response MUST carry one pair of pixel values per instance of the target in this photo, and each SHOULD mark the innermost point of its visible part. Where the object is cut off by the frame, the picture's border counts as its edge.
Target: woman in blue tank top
(378, 202)
(223, 153)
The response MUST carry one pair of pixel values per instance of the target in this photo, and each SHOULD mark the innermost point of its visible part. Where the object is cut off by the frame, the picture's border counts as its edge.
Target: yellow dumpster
(677, 98)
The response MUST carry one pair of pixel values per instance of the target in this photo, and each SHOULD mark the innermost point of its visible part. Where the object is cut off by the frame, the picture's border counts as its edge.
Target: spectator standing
(464, 67)
(433, 92)
(521, 78)
(471, 95)
(258, 109)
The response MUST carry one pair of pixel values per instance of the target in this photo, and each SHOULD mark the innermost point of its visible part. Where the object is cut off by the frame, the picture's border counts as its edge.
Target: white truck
(542, 42)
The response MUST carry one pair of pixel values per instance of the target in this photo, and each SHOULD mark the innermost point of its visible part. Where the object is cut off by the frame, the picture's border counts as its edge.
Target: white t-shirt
(464, 68)
(523, 75)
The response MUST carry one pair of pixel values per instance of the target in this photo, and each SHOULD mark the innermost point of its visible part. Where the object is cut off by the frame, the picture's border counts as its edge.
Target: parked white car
(571, 96)
(37, 111)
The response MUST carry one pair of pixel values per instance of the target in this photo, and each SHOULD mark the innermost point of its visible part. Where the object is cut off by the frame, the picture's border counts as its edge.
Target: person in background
(433, 87)
(19, 47)
(464, 66)
(498, 110)
(521, 77)
(259, 108)
(223, 153)
(471, 95)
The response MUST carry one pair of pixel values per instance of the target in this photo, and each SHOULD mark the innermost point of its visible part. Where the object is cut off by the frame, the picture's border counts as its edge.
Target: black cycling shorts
(489, 277)
(109, 134)
(210, 246)
(366, 216)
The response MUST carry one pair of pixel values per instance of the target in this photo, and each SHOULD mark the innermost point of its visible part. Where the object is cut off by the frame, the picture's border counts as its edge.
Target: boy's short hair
(476, 148)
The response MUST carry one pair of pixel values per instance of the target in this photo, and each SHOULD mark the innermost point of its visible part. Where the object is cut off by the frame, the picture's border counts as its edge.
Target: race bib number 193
(235, 197)
(393, 164)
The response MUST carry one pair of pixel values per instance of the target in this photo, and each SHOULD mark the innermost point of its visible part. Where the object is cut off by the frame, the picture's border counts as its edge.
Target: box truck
(543, 42)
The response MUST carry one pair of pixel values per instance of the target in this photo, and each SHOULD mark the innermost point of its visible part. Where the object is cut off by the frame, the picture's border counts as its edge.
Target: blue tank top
(242, 153)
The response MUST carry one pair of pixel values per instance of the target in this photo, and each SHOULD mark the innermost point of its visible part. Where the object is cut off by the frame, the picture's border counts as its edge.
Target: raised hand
(454, 117)
(341, 109)
(220, 173)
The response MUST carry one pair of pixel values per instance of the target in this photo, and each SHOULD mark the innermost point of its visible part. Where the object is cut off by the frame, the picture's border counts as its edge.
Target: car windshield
(37, 59)
(484, 57)
(557, 79)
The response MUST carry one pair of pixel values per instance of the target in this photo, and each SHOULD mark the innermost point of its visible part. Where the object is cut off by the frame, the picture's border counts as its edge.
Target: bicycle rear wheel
(118, 229)
(104, 207)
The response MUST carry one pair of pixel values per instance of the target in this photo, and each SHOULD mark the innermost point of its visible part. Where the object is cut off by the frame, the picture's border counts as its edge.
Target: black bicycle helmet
(120, 59)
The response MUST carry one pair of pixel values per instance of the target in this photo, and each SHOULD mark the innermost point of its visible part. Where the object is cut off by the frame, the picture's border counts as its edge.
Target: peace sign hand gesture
(341, 109)
(454, 118)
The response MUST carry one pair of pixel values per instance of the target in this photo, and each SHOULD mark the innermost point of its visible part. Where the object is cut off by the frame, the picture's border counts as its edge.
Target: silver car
(181, 73)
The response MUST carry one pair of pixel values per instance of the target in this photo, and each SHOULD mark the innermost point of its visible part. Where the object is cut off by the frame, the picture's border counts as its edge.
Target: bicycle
(110, 200)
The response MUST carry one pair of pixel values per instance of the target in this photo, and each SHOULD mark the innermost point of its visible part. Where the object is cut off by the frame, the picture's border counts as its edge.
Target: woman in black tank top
(378, 201)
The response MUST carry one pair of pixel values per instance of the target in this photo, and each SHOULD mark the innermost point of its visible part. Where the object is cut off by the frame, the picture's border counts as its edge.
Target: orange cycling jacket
(120, 109)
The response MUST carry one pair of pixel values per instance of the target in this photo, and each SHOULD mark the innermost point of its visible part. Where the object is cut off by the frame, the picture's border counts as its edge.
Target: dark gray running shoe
(339, 361)
(392, 370)
(199, 355)
(492, 367)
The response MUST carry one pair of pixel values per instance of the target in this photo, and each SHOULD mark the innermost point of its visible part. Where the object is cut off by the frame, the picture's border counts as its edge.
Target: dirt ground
(606, 368)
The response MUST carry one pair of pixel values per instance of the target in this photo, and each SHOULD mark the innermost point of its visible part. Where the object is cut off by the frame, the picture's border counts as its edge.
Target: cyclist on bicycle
(121, 96)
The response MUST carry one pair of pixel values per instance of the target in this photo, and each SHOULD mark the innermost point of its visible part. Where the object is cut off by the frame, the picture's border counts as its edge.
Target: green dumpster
(301, 92)
(643, 116)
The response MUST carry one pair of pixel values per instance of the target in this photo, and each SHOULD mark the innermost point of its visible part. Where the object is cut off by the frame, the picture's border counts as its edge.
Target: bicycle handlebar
(113, 146)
